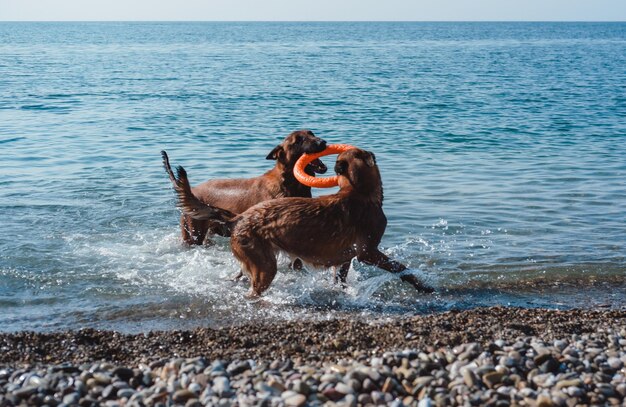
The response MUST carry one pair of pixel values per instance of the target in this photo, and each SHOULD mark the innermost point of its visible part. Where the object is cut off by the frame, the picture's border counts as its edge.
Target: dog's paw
(417, 283)
(237, 277)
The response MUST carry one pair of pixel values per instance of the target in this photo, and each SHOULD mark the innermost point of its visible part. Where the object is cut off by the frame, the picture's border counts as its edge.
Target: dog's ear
(341, 167)
(276, 153)
(370, 160)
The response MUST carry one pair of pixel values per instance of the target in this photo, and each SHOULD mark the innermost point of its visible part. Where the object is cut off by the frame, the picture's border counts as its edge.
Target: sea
(502, 149)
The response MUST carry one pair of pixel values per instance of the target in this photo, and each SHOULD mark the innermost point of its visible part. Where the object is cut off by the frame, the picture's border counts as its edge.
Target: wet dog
(327, 231)
(237, 195)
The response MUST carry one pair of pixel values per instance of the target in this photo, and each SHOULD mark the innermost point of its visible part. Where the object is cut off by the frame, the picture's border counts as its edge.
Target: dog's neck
(289, 185)
(372, 197)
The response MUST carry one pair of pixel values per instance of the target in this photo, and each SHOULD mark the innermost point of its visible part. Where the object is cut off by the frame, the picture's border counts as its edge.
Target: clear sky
(313, 10)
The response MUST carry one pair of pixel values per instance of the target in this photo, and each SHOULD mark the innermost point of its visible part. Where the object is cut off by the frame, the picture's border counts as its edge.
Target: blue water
(501, 146)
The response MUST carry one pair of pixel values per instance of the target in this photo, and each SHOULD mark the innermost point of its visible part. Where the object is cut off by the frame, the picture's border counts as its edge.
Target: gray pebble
(292, 398)
(615, 363)
(221, 386)
(425, 402)
(126, 393)
(181, 396)
(71, 399)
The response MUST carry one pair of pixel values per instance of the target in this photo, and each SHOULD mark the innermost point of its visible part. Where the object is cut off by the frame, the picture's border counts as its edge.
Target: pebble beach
(487, 356)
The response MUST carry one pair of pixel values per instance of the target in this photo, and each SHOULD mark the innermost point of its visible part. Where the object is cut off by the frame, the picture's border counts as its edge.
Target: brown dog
(237, 195)
(327, 231)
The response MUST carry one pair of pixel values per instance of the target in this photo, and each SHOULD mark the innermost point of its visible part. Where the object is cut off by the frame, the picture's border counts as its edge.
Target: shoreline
(494, 356)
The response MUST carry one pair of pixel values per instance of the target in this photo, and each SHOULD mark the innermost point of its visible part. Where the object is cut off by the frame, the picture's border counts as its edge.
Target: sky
(312, 10)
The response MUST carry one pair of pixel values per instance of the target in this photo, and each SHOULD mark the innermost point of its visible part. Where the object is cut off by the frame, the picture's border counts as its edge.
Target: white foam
(156, 263)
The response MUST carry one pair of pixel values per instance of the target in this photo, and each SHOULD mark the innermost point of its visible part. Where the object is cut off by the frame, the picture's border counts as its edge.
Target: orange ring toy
(310, 181)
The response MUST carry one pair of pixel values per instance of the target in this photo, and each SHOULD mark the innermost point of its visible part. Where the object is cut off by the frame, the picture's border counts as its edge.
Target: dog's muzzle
(316, 167)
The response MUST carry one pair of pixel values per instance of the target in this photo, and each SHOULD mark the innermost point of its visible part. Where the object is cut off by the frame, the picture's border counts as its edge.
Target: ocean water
(502, 148)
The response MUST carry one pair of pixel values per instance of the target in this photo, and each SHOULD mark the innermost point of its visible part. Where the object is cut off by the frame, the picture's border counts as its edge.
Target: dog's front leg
(376, 258)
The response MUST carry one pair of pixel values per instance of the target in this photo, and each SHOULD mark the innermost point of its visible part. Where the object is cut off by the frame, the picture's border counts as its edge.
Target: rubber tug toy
(315, 182)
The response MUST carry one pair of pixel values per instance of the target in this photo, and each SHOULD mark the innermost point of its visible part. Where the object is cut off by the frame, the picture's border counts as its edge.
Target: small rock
(369, 386)
(330, 378)
(275, 384)
(507, 361)
(378, 397)
(544, 401)
(483, 370)
(574, 391)
(100, 379)
(549, 366)
(123, 373)
(71, 399)
(301, 387)
(425, 402)
(125, 393)
(333, 394)
(423, 380)
(293, 399)
(560, 345)
(374, 375)
(469, 378)
(195, 387)
(109, 392)
(568, 383)
(615, 363)
(364, 399)
(221, 386)
(348, 401)
(201, 379)
(193, 403)
(237, 368)
(606, 389)
(181, 396)
(344, 388)
(389, 385)
(25, 392)
(492, 378)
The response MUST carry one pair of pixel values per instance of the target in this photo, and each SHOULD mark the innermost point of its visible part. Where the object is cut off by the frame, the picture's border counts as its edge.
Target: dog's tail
(193, 207)
(168, 168)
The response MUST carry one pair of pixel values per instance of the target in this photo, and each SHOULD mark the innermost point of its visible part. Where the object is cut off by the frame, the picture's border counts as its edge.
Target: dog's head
(357, 169)
(296, 144)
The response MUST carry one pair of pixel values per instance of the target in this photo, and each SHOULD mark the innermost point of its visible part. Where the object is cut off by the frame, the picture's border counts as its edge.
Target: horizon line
(312, 21)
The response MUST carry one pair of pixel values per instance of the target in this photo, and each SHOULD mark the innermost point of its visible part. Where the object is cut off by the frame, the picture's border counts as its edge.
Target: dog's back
(321, 231)
(237, 195)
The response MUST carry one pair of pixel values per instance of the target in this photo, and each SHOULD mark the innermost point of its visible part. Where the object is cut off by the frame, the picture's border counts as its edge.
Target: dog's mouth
(316, 167)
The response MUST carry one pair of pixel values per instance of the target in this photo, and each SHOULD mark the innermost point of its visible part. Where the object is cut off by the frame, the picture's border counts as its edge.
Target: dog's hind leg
(258, 260)
(194, 232)
(340, 276)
